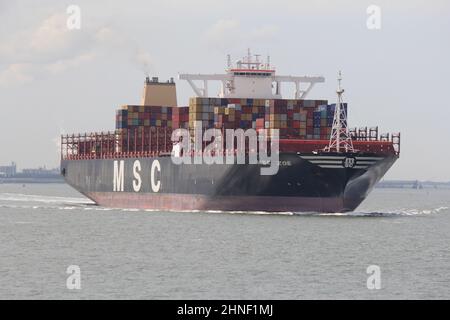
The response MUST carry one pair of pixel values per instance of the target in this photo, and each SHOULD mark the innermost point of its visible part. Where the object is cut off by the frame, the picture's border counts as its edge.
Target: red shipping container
(280, 102)
(260, 123)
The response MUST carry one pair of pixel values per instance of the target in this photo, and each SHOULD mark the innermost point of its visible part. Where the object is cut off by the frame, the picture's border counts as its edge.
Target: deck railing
(154, 141)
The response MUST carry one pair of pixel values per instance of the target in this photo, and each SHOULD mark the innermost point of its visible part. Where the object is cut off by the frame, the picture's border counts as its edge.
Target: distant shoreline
(31, 180)
(412, 184)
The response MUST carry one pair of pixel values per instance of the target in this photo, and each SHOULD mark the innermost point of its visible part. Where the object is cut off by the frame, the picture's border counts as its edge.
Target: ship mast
(340, 137)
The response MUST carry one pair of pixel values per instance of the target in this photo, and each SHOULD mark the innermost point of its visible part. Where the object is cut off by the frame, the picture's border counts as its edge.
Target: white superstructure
(251, 78)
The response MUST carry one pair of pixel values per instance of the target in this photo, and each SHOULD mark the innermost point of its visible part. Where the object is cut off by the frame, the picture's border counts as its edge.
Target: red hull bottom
(187, 202)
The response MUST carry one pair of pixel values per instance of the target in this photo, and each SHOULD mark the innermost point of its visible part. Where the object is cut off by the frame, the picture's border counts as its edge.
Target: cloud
(51, 48)
(264, 33)
(117, 42)
(110, 38)
(49, 40)
(229, 33)
(52, 35)
(17, 73)
(46, 48)
(223, 28)
(65, 64)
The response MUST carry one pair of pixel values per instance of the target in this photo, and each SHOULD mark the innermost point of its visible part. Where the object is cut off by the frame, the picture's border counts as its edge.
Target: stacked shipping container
(144, 128)
(293, 118)
(130, 116)
(180, 117)
(201, 110)
(297, 119)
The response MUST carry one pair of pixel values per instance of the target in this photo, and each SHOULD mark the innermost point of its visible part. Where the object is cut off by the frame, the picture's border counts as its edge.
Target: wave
(389, 213)
(41, 202)
(19, 197)
(375, 213)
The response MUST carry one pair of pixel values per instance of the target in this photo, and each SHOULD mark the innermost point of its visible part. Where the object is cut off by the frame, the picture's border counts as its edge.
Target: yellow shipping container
(195, 116)
(290, 103)
(196, 108)
(219, 110)
(269, 103)
(195, 101)
(259, 102)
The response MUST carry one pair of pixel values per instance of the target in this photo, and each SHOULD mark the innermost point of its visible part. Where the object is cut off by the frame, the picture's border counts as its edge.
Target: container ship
(322, 165)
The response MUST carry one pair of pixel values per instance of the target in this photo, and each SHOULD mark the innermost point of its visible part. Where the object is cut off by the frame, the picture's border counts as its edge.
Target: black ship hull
(304, 183)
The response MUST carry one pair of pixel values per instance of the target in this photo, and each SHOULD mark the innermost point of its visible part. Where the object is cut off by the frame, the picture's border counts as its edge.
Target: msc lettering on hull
(119, 176)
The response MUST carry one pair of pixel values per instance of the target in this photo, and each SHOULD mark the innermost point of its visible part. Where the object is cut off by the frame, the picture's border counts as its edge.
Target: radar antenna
(340, 137)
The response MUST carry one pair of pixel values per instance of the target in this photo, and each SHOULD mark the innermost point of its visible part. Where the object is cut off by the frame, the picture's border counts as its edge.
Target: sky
(56, 80)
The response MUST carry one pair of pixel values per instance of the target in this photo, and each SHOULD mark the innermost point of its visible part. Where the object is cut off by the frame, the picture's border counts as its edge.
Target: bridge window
(260, 74)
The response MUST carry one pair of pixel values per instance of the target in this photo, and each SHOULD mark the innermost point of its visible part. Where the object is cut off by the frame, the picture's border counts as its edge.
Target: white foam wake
(19, 197)
(390, 213)
(38, 202)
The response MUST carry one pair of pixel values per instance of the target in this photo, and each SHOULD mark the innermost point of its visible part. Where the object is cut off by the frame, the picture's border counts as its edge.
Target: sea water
(46, 230)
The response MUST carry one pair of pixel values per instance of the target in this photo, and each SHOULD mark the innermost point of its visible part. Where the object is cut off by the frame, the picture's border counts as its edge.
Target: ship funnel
(157, 93)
